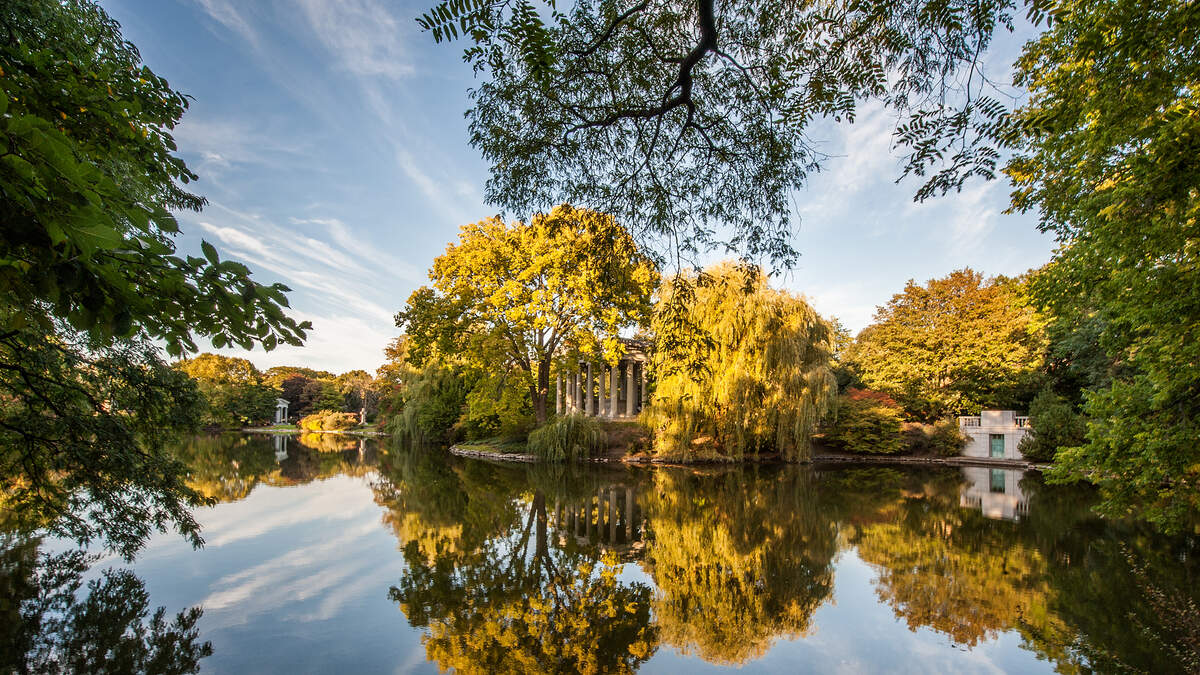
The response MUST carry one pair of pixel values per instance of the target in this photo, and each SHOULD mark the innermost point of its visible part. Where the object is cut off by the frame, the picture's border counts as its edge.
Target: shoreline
(814, 460)
(350, 432)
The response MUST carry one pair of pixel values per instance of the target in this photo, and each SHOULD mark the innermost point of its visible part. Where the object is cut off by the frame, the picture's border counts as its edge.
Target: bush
(329, 420)
(1054, 424)
(945, 438)
(942, 438)
(568, 437)
(867, 421)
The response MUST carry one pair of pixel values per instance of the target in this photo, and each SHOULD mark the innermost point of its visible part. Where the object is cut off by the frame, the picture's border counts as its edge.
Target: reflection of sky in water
(292, 580)
(295, 580)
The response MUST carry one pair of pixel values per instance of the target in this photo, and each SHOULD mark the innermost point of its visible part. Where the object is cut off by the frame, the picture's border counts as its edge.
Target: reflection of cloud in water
(271, 509)
(283, 579)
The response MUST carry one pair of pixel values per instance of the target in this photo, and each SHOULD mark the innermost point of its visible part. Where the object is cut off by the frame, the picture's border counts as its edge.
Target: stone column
(602, 391)
(629, 388)
(589, 403)
(558, 395)
(579, 389)
(642, 383)
(614, 392)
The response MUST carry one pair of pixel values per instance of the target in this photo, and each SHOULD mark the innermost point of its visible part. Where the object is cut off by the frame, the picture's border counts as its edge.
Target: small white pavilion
(612, 391)
(281, 410)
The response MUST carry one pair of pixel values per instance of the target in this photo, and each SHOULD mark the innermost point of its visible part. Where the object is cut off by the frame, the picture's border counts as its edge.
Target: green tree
(233, 389)
(953, 346)
(360, 391)
(866, 421)
(690, 122)
(509, 297)
(743, 369)
(1113, 170)
(89, 274)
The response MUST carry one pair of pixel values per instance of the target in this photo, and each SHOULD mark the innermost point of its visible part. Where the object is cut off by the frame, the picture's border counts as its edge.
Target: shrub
(329, 420)
(1054, 424)
(867, 421)
(568, 437)
(945, 438)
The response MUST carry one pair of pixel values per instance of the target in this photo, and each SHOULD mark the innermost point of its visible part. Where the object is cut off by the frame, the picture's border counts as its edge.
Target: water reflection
(50, 623)
(514, 568)
(227, 467)
(506, 563)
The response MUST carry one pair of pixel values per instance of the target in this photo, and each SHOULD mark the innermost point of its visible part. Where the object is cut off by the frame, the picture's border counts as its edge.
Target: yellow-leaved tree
(743, 369)
(506, 297)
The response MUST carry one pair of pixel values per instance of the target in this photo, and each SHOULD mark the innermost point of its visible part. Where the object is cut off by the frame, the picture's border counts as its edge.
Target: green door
(997, 445)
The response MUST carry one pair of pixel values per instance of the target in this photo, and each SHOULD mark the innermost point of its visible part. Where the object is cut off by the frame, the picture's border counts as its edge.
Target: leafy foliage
(507, 298)
(954, 346)
(84, 450)
(1054, 423)
(50, 627)
(89, 275)
(1114, 174)
(233, 390)
(329, 420)
(88, 178)
(689, 122)
(743, 371)
(868, 422)
(568, 437)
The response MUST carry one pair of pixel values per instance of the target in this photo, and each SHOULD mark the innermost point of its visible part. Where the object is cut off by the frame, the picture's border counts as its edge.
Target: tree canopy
(89, 275)
(510, 296)
(690, 121)
(1114, 174)
(742, 369)
(952, 346)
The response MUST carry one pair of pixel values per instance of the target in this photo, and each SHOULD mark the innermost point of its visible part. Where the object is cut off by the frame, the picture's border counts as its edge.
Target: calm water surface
(336, 554)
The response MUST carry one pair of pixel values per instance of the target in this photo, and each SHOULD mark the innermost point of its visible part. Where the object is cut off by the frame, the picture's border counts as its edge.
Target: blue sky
(330, 141)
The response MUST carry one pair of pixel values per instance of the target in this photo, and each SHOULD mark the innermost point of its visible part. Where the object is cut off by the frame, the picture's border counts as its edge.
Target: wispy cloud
(362, 35)
(227, 14)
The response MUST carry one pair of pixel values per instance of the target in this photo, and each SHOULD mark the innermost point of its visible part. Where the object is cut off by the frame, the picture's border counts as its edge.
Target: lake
(338, 554)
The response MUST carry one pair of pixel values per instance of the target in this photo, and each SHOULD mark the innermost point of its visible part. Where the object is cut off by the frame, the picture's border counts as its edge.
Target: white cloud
(362, 35)
(227, 14)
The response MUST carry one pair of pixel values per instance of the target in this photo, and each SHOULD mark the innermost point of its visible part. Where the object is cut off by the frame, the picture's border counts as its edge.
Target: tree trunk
(541, 391)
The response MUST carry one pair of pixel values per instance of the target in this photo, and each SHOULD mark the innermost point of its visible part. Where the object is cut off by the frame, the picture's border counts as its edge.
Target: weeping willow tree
(743, 369)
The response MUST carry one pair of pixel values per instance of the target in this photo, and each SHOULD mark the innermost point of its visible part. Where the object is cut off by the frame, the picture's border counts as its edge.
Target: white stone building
(994, 434)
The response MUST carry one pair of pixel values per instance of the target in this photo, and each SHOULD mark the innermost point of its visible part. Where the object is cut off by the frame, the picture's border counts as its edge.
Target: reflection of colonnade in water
(611, 518)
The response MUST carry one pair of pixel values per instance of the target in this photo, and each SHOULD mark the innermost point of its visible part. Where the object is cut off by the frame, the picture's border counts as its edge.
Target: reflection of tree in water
(227, 467)
(740, 559)
(514, 568)
(496, 588)
(46, 626)
(1060, 577)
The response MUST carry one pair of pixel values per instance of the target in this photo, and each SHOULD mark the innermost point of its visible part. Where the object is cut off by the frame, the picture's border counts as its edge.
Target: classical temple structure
(615, 392)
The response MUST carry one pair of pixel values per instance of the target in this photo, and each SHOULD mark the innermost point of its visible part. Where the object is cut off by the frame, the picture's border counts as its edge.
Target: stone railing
(968, 421)
(1022, 422)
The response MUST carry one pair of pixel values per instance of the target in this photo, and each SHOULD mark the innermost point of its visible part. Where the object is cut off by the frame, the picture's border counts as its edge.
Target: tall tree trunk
(541, 391)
